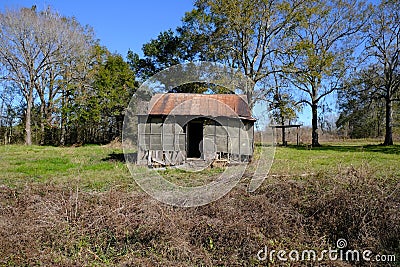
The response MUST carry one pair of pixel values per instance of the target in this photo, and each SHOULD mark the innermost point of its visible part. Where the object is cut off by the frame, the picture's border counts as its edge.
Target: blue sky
(119, 24)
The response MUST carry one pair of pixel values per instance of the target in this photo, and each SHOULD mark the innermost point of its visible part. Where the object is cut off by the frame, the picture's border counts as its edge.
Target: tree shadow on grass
(121, 157)
(394, 149)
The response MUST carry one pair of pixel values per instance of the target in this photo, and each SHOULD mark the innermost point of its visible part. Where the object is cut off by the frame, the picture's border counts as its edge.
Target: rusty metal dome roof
(214, 105)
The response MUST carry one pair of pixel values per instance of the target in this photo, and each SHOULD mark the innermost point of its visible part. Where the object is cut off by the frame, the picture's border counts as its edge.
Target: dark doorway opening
(195, 136)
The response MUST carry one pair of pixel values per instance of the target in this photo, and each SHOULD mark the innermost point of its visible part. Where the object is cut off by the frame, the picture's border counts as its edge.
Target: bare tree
(33, 48)
(384, 47)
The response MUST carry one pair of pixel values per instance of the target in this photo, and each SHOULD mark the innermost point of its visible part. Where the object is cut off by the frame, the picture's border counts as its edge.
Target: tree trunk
(250, 100)
(28, 129)
(378, 134)
(42, 126)
(283, 132)
(63, 119)
(314, 109)
(389, 123)
(62, 127)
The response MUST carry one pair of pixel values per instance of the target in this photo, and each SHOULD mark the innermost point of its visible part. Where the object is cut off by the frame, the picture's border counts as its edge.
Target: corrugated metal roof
(230, 105)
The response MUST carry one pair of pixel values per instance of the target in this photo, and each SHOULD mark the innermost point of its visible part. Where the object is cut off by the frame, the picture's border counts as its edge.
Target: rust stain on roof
(230, 105)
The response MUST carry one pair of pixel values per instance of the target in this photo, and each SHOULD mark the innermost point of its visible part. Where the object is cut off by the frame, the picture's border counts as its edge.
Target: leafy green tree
(242, 34)
(142, 67)
(245, 34)
(322, 51)
(361, 111)
(100, 107)
(115, 83)
(165, 51)
(282, 102)
(74, 85)
(159, 53)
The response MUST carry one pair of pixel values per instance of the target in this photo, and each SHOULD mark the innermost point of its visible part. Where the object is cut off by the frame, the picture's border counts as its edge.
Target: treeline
(370, 106)
(86, 108)
(60, 86)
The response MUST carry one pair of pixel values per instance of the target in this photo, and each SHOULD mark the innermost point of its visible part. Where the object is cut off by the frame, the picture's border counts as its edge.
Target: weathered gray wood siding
(165, 142)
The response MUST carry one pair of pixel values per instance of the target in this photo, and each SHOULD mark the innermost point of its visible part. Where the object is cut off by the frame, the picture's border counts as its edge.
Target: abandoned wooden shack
(180, 126)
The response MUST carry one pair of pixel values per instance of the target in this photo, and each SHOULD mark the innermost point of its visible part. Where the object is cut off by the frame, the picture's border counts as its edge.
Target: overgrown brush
(49, 224)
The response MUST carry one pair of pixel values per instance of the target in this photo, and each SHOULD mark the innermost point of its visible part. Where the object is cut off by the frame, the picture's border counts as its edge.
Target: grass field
(80, 206)
(101, 168)
(90, 167)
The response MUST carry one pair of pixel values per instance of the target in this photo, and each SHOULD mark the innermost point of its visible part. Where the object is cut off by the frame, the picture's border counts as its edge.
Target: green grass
(100, 168)
(293, 160)
(91, 167)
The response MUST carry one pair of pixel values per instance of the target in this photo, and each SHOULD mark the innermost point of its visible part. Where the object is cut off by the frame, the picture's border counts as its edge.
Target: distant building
(179, 126)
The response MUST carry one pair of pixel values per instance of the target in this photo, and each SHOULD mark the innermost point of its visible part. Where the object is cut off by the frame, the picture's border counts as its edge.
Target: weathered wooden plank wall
(165, 142)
